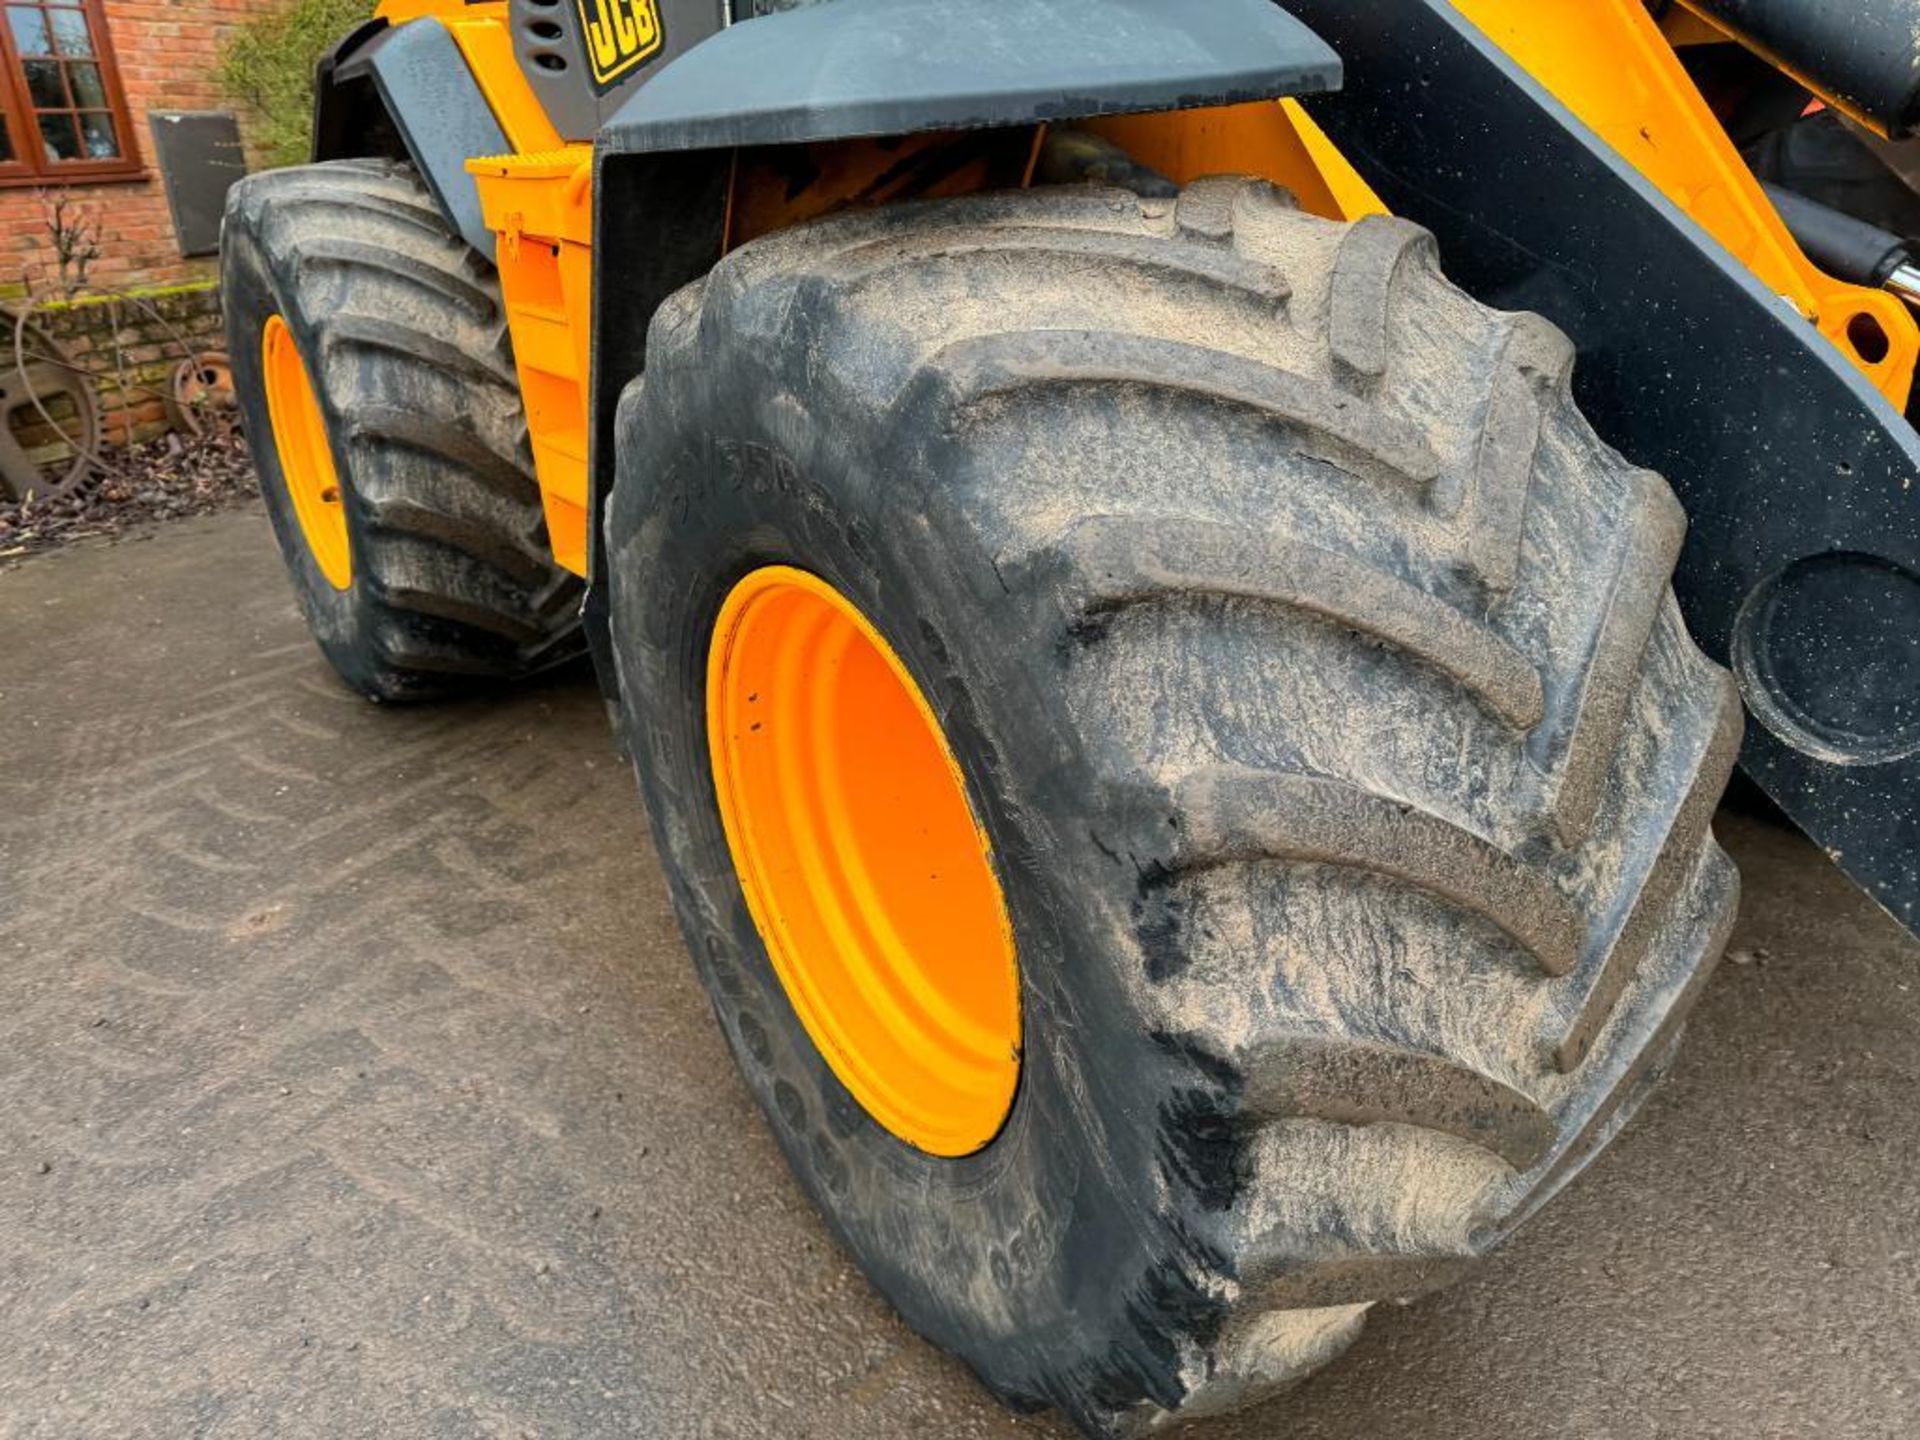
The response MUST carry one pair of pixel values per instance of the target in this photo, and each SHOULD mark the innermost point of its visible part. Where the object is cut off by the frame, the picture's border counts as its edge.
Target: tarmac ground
(353, 1082)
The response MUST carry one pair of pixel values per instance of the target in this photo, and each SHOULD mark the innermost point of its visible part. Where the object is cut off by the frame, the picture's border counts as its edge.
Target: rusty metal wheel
(202, 386)
(49, 418)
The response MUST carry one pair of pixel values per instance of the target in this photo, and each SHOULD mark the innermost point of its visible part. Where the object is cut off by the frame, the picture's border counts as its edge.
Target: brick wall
(134, 345)
(168, 52)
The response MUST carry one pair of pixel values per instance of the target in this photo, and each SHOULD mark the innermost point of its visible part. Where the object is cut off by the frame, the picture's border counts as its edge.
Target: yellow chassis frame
(1607, 60)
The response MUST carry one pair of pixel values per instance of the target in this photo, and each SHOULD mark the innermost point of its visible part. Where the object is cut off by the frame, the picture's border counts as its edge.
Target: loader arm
(1802, 563)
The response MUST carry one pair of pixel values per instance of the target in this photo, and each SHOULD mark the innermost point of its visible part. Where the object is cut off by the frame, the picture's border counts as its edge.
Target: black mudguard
(1802, 566)
(896, 67)
(406, 91)
(1863, 56)
(881, 67)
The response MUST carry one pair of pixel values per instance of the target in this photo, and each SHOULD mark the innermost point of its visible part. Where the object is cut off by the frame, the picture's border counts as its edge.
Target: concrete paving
(353, 1083)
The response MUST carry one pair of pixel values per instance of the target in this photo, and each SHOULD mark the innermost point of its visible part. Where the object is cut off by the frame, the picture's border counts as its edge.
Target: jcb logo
(619, 35)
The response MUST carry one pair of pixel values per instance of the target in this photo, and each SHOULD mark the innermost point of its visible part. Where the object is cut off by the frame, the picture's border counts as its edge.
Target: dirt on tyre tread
(1392, 763)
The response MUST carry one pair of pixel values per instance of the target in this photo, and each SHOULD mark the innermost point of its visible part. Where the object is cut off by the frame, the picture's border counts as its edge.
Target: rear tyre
(442, 579)
(1312, 670)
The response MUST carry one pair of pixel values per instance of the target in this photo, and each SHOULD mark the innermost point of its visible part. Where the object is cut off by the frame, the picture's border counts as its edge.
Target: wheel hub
(306, 457)
(869, 878)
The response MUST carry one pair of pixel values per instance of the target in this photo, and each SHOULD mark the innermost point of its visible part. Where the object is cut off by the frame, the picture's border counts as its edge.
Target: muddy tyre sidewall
(1315, 675)
(1053, 1224)
(251, 296)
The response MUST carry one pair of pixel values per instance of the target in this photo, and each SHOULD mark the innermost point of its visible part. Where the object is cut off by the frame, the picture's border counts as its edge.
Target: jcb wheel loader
(1163, 714)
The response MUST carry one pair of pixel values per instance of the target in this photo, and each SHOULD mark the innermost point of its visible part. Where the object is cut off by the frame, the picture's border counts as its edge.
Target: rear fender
(406, 91)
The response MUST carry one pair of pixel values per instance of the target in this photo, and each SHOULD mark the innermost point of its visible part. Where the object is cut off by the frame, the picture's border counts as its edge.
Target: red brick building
(79, 80)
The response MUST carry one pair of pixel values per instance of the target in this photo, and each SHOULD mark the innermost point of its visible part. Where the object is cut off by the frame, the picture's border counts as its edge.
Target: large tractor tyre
(1338, 755)
(376, 385)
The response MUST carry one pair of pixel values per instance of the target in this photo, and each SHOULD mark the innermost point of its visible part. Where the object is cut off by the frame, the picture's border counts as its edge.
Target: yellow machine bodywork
(1608, 61)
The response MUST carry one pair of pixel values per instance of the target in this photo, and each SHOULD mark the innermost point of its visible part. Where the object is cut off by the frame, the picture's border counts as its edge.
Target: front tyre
(1310, 670)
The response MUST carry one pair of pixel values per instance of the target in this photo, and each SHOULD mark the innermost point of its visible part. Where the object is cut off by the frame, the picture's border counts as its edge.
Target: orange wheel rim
(863, 865)
(306, 458)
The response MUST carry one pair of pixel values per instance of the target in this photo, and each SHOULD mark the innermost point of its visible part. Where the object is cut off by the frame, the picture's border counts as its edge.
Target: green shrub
(268, 67)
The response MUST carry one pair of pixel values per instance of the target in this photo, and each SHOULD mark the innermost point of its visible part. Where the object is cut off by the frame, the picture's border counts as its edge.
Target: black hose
(1862, 55)
(1846, 248)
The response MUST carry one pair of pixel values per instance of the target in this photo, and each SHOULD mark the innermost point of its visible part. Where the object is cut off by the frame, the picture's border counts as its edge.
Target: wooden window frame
(29, 167)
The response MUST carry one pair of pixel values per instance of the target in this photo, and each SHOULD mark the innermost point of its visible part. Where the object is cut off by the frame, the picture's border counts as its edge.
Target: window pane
(83, 76)
(43, 83)
(6, 143)
(70, 32)
(61, 136)
(97, 131)
(29, 30)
